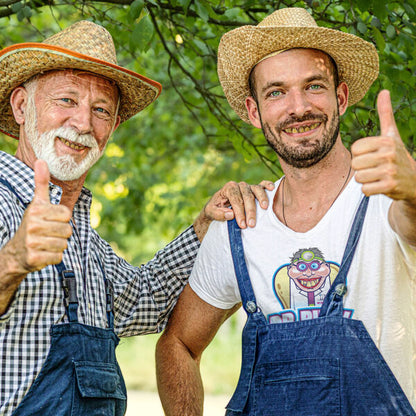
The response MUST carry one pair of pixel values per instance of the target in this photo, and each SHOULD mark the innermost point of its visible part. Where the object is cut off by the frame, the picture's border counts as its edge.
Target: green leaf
(202, 11)
(380, 42)
(391, 31)
(409, 9)
(27, 11)
(375, 22)
(362, 27)
(232, 13)
(201, 46)
(184, 4)
(16, 7)
(20, 15)
(363, 4)
(142, 35)
(380, 9)
(135, 9)
(412, 124)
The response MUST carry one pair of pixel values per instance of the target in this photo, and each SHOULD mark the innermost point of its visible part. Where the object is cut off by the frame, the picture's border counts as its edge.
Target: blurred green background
(220, 366)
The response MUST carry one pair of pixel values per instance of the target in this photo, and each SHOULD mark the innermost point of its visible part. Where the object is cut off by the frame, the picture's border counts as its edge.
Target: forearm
(178, 379)
(201, 225)
(11, 276)
(146, 295)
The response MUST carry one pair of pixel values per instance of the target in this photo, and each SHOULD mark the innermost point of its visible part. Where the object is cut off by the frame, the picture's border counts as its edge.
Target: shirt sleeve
(146, 295)
(213, 277)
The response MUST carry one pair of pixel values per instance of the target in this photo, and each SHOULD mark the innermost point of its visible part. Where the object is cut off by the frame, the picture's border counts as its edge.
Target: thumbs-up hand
(382, 163)
(44, 231)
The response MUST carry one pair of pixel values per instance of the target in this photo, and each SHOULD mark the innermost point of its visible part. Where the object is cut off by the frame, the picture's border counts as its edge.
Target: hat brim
(242, 48)
(20, 62)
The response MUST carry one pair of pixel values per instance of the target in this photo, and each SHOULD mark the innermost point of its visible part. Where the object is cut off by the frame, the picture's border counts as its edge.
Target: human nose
(298, 104)
(81, 119)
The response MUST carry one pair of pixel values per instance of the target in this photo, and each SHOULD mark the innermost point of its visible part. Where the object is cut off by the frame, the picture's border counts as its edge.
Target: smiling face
(68, 119)
(309, 276)
(297, 105)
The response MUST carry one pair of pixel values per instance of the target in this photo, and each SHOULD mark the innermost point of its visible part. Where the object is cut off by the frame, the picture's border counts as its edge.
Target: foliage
(164, 163)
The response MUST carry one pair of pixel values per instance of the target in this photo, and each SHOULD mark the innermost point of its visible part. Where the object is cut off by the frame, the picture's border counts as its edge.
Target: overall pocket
(99, 390)
(304, 387)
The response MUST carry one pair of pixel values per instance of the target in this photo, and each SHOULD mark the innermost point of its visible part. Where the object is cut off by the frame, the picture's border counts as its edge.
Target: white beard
(63, 168)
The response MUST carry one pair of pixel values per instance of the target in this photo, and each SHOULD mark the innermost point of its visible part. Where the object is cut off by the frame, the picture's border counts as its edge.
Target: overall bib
(326, 366)
(80, 376)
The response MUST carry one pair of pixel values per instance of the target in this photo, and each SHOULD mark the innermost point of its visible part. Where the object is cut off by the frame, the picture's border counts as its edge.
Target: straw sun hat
(242, 48)
(83, 45)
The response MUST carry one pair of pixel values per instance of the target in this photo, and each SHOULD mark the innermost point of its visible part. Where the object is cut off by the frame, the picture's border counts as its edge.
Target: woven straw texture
(242, 48)
(83, 45)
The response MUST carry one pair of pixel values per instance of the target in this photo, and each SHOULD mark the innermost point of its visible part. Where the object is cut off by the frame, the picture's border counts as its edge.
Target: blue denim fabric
(327, 366)
(80, 376)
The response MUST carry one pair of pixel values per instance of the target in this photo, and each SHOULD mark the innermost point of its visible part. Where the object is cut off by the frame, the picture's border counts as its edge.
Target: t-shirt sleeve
(213, 278)
(409, 252)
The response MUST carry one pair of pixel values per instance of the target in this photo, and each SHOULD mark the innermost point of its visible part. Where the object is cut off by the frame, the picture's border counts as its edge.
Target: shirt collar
(21, 178)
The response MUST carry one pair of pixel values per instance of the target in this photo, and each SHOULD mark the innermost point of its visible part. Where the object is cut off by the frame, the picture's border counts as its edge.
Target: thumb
(386, 116)
(42, 177)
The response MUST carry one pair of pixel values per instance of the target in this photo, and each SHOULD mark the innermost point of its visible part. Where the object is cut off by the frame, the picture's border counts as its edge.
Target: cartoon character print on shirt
(301, 285)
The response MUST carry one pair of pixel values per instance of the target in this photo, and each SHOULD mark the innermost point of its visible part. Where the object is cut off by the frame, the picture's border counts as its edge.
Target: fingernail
(264, 204)
(228, 215)
(243, 224)
(251, 223)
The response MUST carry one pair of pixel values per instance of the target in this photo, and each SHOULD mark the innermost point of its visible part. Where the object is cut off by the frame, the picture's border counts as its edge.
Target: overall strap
(69, 285)
(244, 284)
(109, 296)
(255, 318)
(12, 190)
(332, 304)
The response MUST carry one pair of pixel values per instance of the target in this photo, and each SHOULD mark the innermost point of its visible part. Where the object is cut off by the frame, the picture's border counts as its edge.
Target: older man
(64, 293)
(314, 343)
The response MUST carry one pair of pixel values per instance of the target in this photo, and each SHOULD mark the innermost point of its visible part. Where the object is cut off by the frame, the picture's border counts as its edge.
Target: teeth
(310, 283)
(302, 129)
(71, 144)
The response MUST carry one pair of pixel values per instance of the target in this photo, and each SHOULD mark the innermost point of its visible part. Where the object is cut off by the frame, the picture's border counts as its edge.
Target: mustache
(68, 133)
(323, 118)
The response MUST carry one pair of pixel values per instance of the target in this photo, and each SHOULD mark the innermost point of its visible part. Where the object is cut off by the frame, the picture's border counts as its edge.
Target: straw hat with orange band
(83, 45)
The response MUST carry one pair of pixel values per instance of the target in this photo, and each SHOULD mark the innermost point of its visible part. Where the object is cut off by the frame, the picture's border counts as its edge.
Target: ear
(18, 100)
(253, 112)
(342, 97)
(117, 123)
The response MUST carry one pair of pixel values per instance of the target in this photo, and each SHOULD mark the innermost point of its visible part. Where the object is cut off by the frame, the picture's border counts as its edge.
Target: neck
(305, 195)
(70, 190)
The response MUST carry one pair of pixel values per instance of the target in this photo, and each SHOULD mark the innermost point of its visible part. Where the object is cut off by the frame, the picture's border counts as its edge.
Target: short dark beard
(301, 158)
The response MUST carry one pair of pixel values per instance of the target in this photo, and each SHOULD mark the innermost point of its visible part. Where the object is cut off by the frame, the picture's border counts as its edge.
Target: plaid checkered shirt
(144, 296)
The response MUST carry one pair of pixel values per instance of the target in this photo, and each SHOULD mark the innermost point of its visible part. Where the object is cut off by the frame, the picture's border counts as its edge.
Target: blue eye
(314, 265)
(302, 266)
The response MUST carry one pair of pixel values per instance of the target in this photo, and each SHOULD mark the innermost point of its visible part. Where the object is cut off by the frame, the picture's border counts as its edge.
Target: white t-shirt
(291, 272)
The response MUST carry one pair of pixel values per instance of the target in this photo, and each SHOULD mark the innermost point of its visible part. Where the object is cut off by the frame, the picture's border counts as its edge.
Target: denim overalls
(327, 366)
(80, 376)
